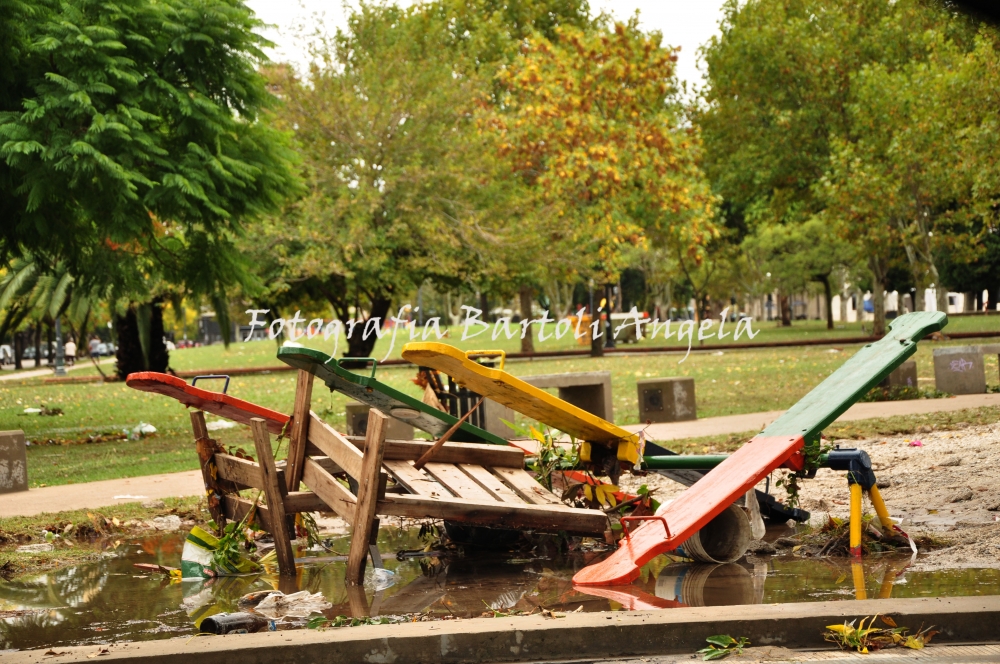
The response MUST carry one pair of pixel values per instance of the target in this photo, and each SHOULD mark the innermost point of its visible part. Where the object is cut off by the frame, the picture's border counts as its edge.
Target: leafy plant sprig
(722, 645)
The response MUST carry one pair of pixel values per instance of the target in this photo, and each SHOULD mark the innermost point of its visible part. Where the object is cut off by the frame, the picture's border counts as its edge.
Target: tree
(129, 137)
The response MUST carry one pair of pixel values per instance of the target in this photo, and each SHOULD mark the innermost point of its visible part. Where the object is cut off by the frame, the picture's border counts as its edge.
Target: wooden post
(275, 492)
(368, 486)
(214, 488)
(300, 430)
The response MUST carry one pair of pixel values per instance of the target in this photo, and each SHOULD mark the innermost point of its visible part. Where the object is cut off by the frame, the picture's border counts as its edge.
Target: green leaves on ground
(723, 645)
(862, 638)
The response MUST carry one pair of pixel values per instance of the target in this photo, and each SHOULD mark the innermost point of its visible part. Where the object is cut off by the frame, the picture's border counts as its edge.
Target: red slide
(216, 403)
(693, 509)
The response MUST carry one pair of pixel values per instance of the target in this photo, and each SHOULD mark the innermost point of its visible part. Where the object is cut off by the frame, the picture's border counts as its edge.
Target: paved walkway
(189, 483)
(46, 371)
(729, 424)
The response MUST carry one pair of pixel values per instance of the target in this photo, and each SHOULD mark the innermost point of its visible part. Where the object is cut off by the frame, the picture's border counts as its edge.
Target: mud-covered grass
(82, 535)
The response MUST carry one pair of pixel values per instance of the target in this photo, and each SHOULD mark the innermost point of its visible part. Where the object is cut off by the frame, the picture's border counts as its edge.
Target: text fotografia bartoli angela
(472, 327)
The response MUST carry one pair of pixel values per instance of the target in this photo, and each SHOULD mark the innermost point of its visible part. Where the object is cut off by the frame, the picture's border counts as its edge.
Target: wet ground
(110, 600)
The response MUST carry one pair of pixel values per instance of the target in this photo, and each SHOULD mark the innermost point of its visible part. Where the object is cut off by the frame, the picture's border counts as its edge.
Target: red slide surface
(693, 509)
(216, 403)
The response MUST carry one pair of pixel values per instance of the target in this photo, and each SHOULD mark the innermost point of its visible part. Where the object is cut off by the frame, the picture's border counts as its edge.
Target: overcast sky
(687, 24)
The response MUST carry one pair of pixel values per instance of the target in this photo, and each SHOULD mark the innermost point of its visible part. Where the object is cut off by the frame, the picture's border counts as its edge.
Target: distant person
(95, 345)
(69, 350)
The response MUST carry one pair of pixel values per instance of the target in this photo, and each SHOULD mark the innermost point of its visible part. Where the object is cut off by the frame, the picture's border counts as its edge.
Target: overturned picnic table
(472, 483)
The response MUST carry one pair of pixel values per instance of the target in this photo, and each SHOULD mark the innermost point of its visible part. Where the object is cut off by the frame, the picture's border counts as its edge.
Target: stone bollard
(357, 423)
(587, 390)
(959, 370)
(666, 400)
(13, 462)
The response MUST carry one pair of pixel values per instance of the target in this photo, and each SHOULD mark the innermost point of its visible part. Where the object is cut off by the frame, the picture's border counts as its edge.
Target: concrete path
(102, 494)
(729, 424)
(91, 495)
(47, 371)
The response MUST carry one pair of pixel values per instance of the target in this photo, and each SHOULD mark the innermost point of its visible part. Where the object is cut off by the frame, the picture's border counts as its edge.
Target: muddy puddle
(110, 600)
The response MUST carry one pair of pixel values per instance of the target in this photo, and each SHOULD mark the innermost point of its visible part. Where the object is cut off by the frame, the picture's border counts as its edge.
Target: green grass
(727, 382)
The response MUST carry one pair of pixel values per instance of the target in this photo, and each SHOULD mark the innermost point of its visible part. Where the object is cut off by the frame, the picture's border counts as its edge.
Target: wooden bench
(471, 483)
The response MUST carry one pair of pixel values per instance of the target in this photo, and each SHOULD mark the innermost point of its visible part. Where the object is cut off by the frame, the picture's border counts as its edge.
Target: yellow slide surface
(526, 399)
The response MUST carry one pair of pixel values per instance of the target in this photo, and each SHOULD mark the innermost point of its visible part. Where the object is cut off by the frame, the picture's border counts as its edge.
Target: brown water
(110, 600)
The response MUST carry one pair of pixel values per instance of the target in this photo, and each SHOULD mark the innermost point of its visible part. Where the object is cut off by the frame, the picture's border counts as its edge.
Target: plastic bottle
(236, 623)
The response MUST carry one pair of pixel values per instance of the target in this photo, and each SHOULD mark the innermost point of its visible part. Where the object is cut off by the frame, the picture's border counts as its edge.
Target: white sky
(687, 24)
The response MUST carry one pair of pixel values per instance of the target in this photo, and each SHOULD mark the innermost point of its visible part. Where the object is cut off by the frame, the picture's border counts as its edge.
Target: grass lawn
(727, 382)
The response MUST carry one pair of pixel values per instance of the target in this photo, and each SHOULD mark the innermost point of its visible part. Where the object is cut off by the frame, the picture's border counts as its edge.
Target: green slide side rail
(368, 390)
(866, 369)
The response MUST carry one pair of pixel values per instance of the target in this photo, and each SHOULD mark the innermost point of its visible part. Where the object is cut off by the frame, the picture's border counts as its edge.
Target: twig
(426, 456)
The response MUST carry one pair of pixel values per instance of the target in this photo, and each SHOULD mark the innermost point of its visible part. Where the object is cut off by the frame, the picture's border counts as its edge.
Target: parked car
(29, 353)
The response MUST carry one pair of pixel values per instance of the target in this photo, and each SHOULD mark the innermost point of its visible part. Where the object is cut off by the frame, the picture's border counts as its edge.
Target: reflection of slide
(774, 446)
(526, 399)
(216, 403)
(376, 394)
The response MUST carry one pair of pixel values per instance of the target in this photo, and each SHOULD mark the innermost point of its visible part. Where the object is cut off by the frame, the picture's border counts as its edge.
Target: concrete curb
(532, 639)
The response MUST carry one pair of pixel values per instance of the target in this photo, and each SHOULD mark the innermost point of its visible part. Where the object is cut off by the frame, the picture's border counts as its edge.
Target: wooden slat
(414, 480)
(246, 474)
(215, 488)
(458, 482)
(275, 490)
(237, 508)
(491, 483)
(305, 501)
(478, 453)
(299, 433)
(503, 515)
(527, 488)
(368, 494)
(334, 445)
(337, 498)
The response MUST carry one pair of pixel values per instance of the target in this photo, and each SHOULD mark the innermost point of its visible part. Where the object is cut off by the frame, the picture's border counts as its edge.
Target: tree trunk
(786, 310)
(828, 293)
(609, 336)
(994, 296)
(878, 296)
(484, 304)
(18, 350)
(38, 344)
(357, 345)
(527, 341)
(50, 337)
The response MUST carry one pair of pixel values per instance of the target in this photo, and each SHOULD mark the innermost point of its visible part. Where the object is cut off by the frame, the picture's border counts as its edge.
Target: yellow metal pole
(880, 509)
(856, 520)
(858, 572)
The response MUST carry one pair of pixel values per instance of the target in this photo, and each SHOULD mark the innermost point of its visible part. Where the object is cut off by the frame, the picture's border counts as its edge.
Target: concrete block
(587, 390)
(959, 370)
(904, 376)
(666, 400)
(13, 462)
(494, 415)
(357, 423)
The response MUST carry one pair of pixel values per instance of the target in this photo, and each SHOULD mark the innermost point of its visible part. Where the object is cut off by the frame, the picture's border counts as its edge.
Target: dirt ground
(945, 484)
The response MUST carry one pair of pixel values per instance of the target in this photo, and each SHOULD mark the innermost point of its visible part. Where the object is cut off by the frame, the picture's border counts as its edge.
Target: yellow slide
(500, 386)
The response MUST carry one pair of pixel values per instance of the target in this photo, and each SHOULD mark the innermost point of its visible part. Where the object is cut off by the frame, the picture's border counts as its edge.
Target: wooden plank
(243, 472)
(458, 482)
(275, 490)
(305, 501)
(237, 508)
(300, 429)
(334, 445)
(527, 487)
(414, 480)
(503, 515)
(333, 494)
(215, 488)
(491, 483)
(368, 490)
(477, 453)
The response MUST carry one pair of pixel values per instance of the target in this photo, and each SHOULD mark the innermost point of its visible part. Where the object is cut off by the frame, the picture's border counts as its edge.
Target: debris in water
(236, 623)
(379, 579)
(297, 605)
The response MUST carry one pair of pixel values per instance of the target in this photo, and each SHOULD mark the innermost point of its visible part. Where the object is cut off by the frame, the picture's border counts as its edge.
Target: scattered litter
(297, 605)
(916, 443)
(216, 425)
(168, 523)
(379, 579)
(172, 572)
(139, 431)
(129, 496)
(34, 548)
(32, 411)
(154, 504)
(253, 599)
(197, 559)
(236, 623)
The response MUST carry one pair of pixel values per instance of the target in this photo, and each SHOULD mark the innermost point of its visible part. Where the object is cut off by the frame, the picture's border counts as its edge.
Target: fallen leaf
(913, 642)
(889, 621)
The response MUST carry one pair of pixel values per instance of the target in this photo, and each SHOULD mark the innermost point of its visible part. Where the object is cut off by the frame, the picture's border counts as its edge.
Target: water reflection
(110, 600)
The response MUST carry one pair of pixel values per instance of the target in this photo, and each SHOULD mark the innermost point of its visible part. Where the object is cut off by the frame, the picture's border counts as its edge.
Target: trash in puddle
(253, 599)
(219, 424)
(236, 623)
(171, 572)
(379, 579)
(297, 605)
(34, 548)
(197, 560)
